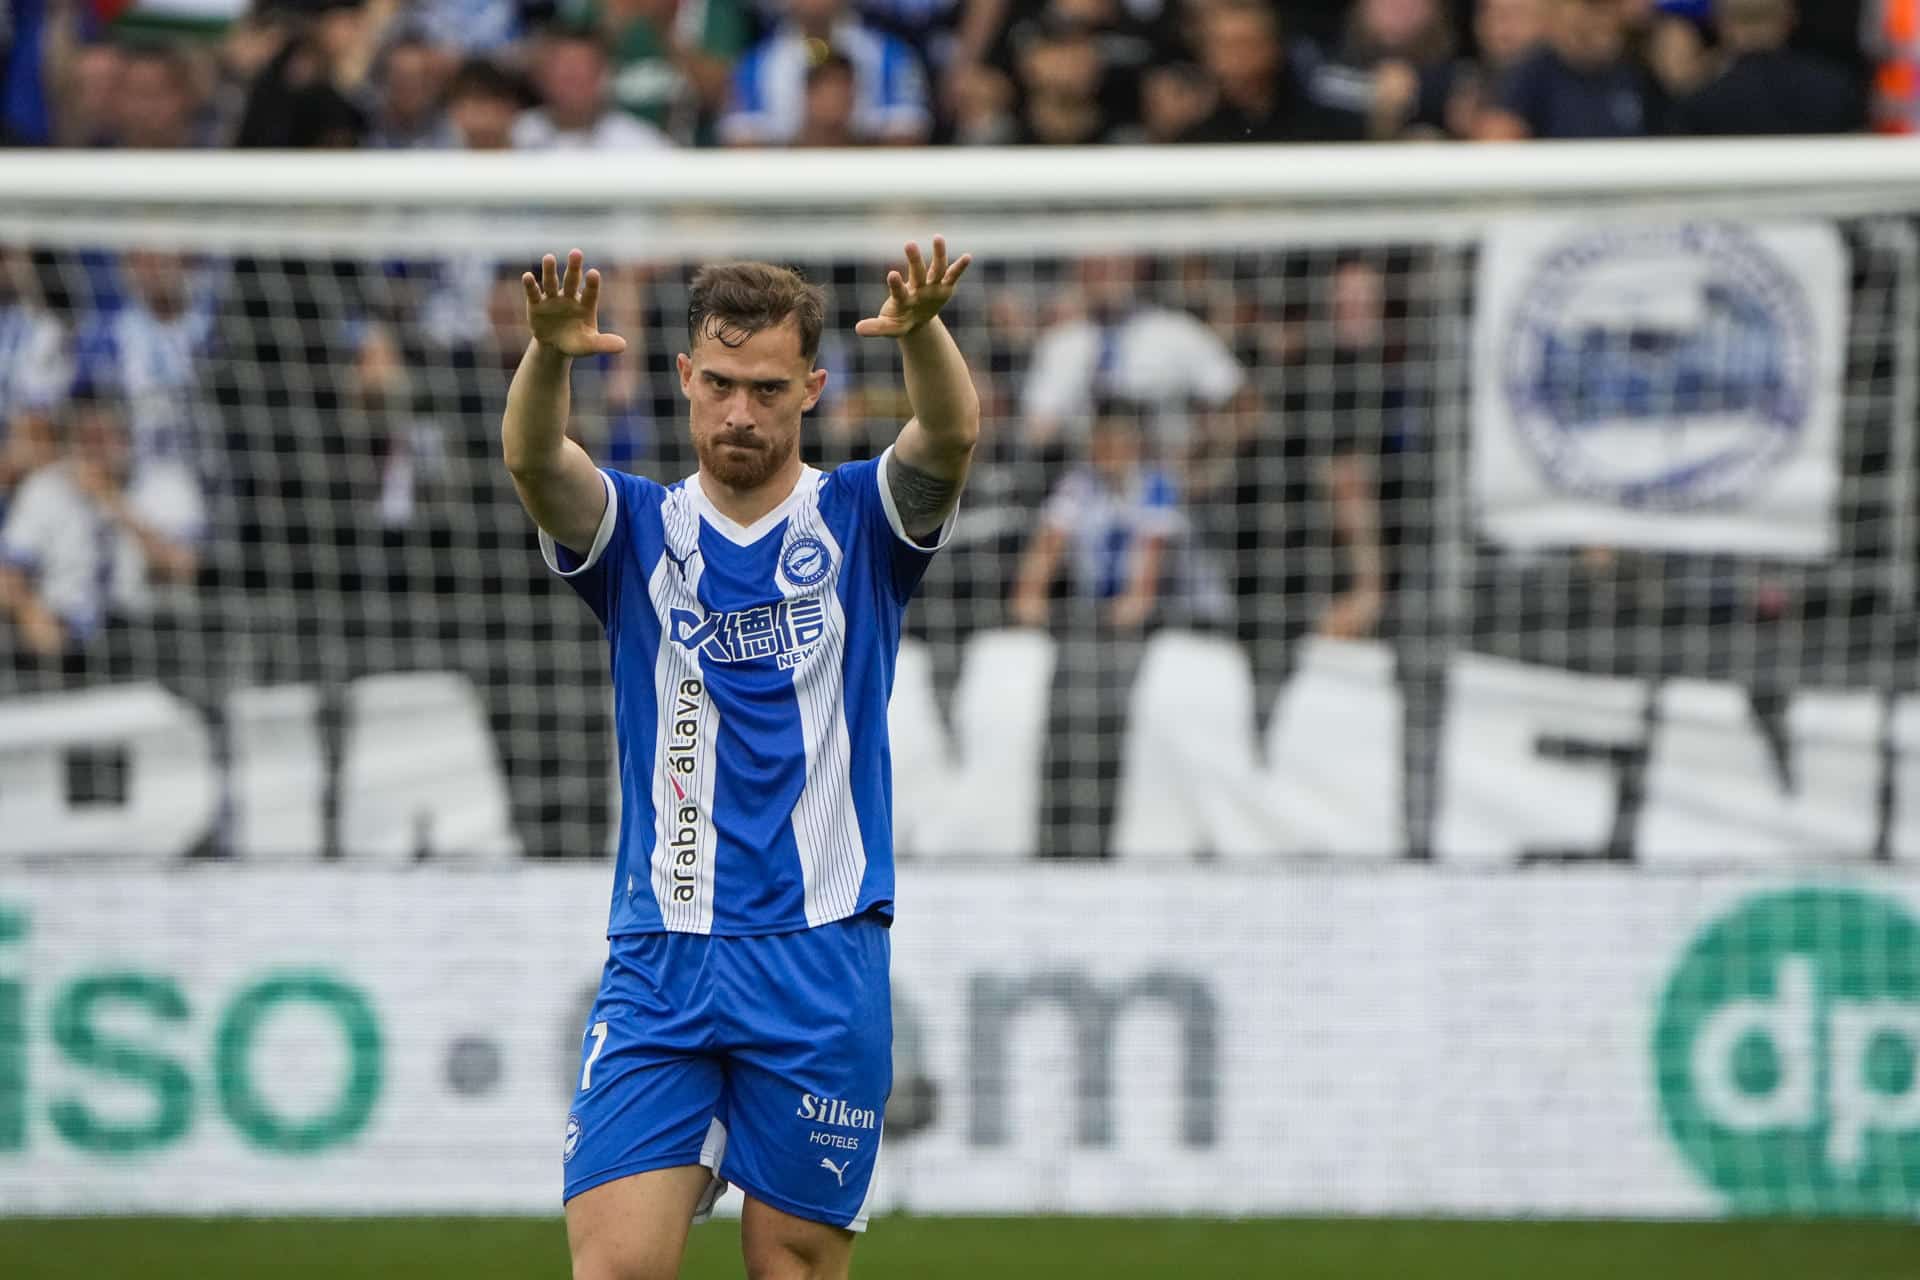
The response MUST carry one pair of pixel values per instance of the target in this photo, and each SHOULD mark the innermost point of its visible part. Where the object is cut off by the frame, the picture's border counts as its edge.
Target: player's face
(744, 403)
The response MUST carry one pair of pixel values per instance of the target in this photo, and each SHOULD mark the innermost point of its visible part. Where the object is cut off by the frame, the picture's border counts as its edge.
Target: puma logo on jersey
(839, 1170)
(781, 631)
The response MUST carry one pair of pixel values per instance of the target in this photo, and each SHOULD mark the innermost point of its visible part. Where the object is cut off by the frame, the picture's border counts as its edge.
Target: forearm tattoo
(922, 498)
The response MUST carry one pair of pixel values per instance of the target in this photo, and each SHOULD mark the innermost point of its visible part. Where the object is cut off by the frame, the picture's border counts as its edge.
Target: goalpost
(1512, 786)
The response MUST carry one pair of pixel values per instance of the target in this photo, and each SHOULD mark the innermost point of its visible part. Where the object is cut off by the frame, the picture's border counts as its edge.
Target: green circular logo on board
(1787, 1049)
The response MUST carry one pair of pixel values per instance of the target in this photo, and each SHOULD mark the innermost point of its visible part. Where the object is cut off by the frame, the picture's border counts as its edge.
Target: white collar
(746, 535)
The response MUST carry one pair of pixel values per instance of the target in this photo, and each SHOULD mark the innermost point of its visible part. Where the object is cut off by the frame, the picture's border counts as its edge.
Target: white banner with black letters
(1671, 386)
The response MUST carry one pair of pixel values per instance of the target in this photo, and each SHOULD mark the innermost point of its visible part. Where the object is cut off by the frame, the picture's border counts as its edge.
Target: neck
(744, 506)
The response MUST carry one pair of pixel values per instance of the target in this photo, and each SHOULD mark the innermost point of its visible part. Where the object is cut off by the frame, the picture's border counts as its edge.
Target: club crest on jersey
(783, 631)
(572, 1143)
(805, 561)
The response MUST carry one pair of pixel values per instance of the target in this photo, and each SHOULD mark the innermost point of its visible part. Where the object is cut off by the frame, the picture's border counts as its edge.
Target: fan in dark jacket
(1765, 87)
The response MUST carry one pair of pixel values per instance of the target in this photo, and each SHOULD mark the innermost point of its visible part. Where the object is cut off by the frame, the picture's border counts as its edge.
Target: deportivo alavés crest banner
(1671, 386)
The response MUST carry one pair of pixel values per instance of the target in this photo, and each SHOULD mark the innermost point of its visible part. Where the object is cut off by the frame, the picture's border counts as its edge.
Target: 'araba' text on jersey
(683, 762)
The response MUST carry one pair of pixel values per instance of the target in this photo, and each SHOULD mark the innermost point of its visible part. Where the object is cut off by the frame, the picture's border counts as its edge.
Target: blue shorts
(767, 1059)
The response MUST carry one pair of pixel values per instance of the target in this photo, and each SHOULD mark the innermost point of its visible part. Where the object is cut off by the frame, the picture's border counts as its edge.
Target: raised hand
(915, 298)
(564, 313)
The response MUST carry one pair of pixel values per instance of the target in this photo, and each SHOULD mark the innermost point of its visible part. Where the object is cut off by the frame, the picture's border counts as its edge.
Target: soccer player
(743, 1031)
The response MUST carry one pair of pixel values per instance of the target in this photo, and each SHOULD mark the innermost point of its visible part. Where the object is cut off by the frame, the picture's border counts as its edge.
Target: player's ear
(816, 383)
(684, 363)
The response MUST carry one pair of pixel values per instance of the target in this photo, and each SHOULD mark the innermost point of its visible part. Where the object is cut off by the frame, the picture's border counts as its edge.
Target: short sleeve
(864, 495)
(1067, 501)
(1159, 513)
(1056, 380)
(1217, 376)
(594, 575)
(45, 374)
(168, 498)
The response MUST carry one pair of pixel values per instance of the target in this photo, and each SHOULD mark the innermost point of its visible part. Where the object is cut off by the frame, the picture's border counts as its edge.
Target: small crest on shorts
(572, 1143)
(805, 561)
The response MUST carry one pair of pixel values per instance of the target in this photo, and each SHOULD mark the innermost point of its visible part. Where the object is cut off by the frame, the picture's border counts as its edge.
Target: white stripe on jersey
(674, 585)
(826, 827)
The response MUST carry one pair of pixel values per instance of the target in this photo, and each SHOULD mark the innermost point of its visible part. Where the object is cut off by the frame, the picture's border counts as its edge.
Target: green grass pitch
(979, 1249)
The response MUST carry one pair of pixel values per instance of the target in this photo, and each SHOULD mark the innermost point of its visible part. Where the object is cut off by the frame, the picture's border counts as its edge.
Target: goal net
(1333, 510)
(1250, 444)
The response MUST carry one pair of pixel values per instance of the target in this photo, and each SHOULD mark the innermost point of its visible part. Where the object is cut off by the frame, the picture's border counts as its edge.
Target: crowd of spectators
(634, 74)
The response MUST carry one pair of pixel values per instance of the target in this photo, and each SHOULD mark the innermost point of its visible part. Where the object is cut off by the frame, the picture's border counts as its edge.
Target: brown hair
(733, 301)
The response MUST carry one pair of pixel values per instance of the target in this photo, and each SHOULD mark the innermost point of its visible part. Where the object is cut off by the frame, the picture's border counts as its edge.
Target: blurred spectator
(87, 96)
(483, 102)
(1370, 463)
(1504, 32)
(314, 91)
(410, 114)
(88, 535)
(1061, 75)
(1579, 84)
(158, 100)
(1258, 97)
(828, 121)
(35, 369)
(1763, 87)
(1173, 99)
(769, 85)
(1115, 521)
(150, 351)
(399, 454)
(576, 112)
(472, 27)
(1391, 70)
(673, 60)
(1121, 346)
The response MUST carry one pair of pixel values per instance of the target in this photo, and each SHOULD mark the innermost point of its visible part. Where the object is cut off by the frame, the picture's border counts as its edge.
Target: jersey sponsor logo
(683, 767)
(805, 561)
(837, 1112)
(839, 1171)
(784, 632)
(819, 1139)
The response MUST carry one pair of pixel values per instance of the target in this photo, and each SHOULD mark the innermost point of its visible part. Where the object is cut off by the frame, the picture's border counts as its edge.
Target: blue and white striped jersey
(752, 668)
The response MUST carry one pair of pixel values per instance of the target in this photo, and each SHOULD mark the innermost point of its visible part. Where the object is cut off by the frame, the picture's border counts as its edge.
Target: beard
(748, 467)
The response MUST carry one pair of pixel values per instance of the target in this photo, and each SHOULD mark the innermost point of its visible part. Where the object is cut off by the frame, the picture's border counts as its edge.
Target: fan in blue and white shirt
(1115, 521)
(770, 82)
(36, 369)
(150, 351)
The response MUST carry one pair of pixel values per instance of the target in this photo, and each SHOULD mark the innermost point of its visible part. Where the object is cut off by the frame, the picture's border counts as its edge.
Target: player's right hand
(564, 313)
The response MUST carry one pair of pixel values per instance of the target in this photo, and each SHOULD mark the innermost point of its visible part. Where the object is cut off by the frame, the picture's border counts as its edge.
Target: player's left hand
(915, 298)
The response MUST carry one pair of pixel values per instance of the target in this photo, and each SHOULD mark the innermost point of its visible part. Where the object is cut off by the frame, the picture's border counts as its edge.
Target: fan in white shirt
(577, 111)
(87, 536)
(1162, 359)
